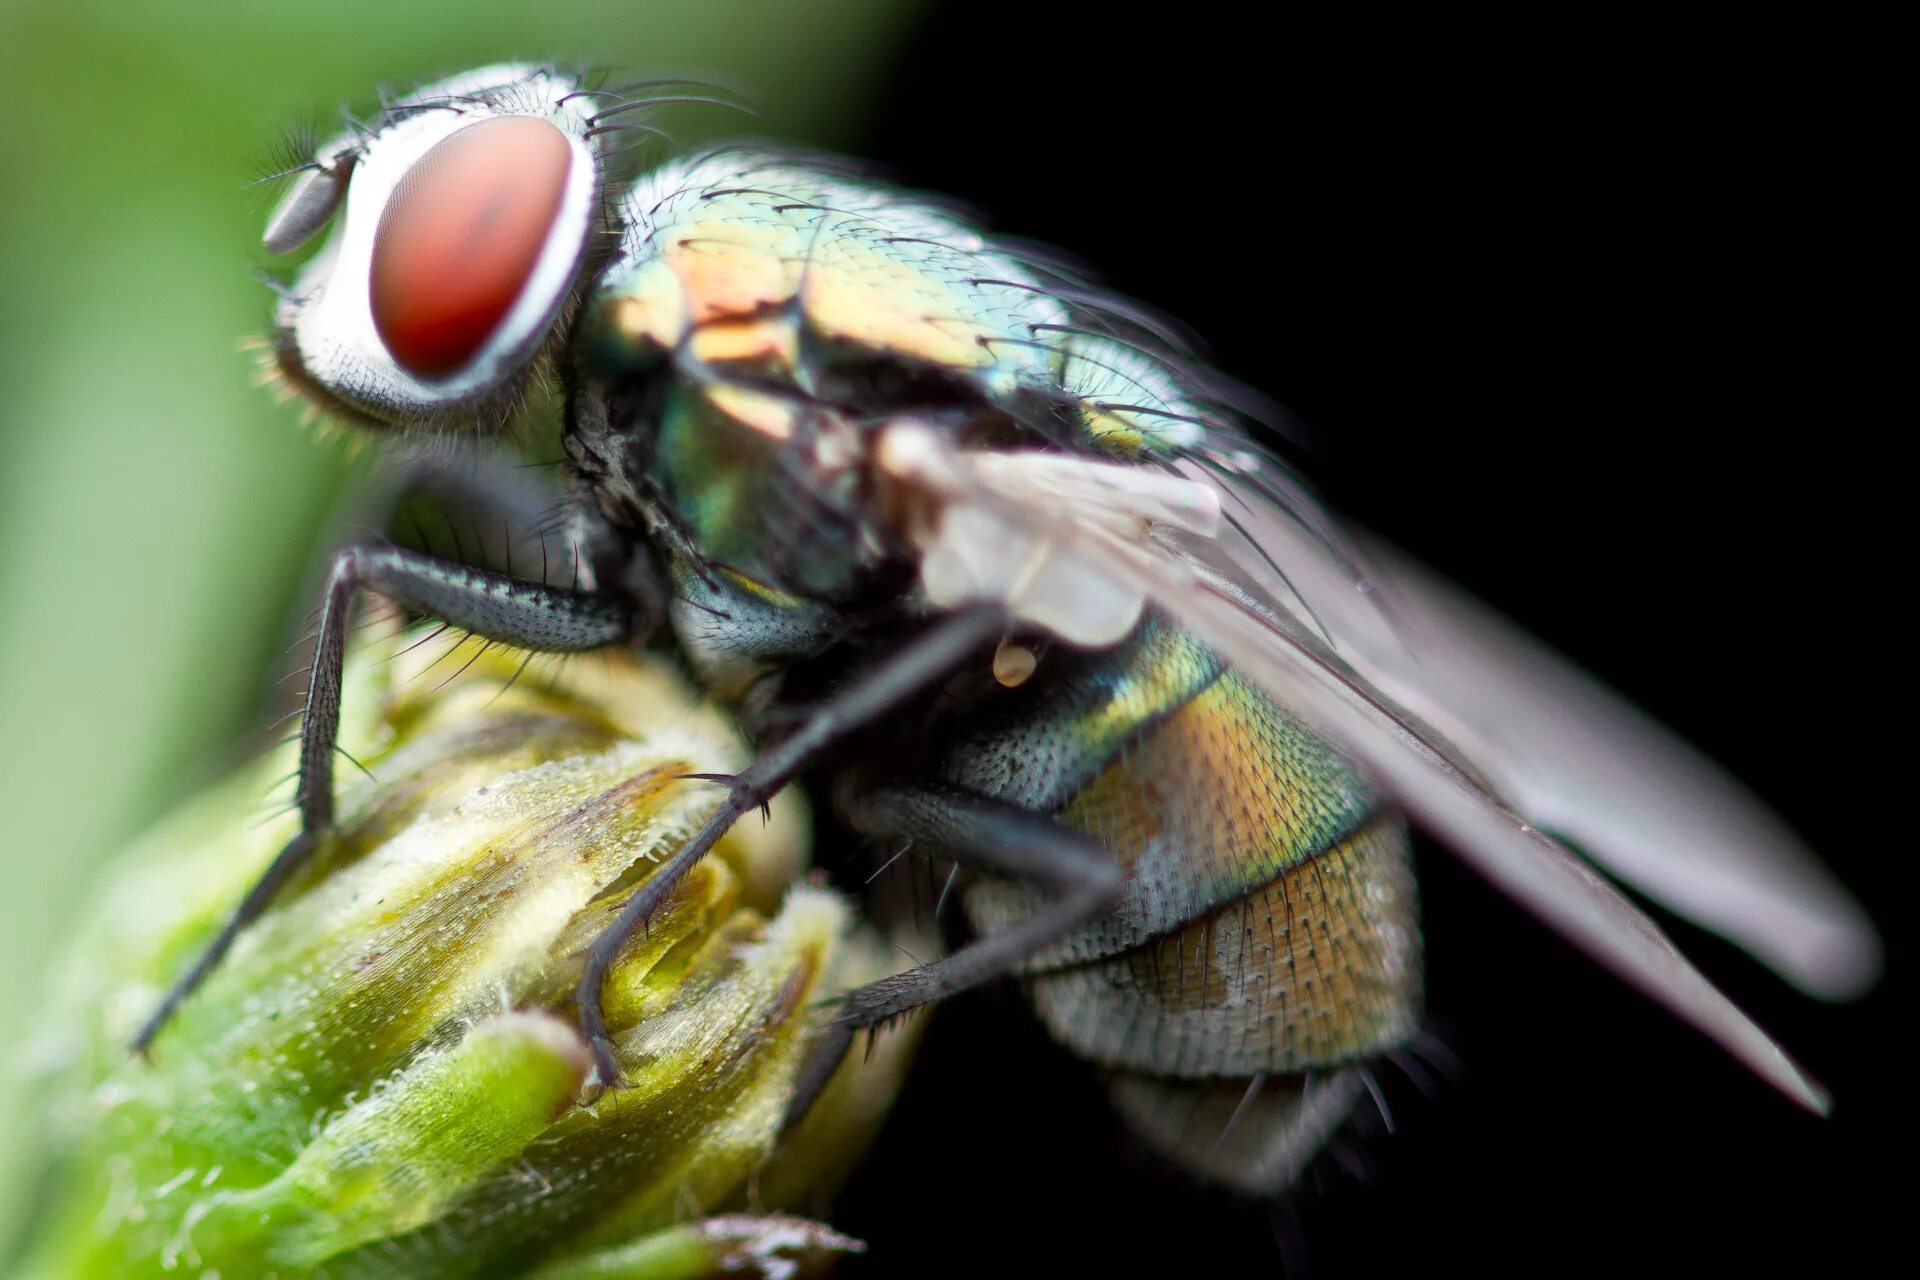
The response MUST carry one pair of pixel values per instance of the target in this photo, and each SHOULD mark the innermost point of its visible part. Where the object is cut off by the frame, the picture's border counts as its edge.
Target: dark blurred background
(1605, 327)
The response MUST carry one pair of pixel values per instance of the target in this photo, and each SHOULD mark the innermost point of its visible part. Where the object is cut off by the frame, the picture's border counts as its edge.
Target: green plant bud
(383, 1077)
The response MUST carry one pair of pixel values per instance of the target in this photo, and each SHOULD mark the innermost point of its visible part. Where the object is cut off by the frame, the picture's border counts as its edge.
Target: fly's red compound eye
(459, 238)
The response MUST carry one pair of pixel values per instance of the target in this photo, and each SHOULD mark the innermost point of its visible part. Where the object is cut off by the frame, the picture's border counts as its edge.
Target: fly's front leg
(1081, 876)
(491, 605)
(916, 667)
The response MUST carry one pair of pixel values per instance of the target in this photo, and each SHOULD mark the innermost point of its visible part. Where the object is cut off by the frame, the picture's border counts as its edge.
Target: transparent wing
(1564, 750)
(1293, 656)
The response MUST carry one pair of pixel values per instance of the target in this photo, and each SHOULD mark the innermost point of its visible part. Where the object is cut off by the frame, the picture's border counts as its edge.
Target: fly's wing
(1058, 524)
(1568, 753)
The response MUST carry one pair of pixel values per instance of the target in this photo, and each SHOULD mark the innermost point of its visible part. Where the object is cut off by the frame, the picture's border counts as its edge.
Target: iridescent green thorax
(776, 311)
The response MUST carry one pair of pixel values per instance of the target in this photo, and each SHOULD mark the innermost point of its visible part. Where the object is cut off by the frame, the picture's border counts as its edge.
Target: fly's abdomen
(1312, 969)
(1269, 924)
(1269, 918)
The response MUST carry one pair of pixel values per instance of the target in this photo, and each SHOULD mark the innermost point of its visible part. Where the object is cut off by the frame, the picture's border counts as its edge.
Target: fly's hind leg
(491, 605)
(1081, 877)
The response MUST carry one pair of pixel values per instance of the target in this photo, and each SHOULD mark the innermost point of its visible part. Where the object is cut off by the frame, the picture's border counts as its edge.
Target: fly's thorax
(742, 234)
(768, 316)
(772, 490)
(722, 449)
(765, 545)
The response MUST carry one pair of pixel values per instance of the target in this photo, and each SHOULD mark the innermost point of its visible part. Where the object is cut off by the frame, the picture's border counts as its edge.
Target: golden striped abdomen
(1269, 925)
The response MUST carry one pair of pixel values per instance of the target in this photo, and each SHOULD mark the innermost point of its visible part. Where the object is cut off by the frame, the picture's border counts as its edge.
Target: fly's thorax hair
(724, 453)
(466, 220)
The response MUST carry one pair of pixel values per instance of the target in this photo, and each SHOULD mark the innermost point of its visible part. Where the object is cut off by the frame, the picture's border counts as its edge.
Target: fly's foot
(593, 1029)
(289, 860)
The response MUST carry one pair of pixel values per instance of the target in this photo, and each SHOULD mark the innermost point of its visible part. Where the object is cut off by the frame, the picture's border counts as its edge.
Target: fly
(1049, 612)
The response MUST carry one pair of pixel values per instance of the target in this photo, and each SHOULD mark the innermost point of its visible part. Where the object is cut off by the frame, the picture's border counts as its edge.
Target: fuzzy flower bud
(383, 1077)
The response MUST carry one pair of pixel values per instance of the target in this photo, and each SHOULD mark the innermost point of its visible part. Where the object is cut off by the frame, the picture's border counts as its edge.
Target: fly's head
(465, 219)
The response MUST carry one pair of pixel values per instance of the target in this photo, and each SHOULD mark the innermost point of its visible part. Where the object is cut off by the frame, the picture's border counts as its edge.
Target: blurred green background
(157, 512)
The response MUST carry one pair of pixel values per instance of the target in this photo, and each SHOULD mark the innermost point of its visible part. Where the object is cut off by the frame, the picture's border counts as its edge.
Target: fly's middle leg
(489, 604)
(1082, 878)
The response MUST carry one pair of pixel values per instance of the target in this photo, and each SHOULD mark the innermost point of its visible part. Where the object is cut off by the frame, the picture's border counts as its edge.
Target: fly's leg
(488, 604)
(930, 658)
(1081, 877)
